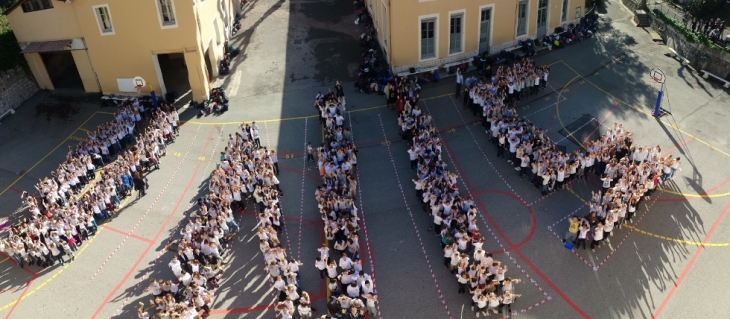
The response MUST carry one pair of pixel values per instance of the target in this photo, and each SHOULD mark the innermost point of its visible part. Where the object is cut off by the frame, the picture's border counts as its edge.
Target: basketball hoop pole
(658, 76)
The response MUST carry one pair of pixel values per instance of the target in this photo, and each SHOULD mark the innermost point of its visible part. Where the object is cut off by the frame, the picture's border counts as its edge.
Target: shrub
(690, 35)
(10, 56)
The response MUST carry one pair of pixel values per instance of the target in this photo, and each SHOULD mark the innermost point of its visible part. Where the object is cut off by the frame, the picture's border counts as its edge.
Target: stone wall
(16, 86)
(634, 4)
(700, 57)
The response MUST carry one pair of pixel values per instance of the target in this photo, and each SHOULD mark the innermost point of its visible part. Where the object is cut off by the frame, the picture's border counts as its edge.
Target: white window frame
(578, 12)
(98, 19)
(462, 13)
(527, 19)
(491, 23)
(547, 16)
(216, 32)
(564, 11)
(384, 25)
(435, 18)
(163, 23)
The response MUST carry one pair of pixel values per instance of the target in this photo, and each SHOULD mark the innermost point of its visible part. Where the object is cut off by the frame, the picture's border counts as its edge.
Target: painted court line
(139, 222)
(413, 221)
(364, 224)
(63, 142)
(159, 232)
(174, 229)
(452, 156)
(506, 239)
(691, 263)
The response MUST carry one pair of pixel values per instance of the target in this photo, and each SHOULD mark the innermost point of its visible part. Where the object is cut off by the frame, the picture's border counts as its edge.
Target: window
(522, 18)
(104, 19)
(577, 13)
(428, 39)
(384, 34)
(455, 33)
(36, 5)
(542, 13)
(167, 12)
(564, 13)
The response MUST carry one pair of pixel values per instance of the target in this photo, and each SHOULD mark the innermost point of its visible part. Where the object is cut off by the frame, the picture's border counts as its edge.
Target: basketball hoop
(138, 88)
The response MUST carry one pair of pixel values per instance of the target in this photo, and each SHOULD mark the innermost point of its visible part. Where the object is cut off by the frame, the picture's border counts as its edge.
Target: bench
(706, 75)
(418, 70)
(681, 58)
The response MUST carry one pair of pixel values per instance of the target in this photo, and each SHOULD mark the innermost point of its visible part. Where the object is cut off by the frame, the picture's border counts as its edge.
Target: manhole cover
(298, 41)
(22, 172)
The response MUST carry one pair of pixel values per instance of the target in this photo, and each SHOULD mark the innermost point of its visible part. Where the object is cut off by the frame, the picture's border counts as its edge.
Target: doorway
(62, 70)
(174, 75)
(484, 28)
(208, 64)
(542, 8)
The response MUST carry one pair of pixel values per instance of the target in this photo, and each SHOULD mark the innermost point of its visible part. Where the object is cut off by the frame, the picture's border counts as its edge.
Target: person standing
(597, 237)
(459, 81)
(582, 234)
(572, 233)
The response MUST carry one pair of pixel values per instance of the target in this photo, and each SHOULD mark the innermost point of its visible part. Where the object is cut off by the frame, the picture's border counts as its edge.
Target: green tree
(10, 56)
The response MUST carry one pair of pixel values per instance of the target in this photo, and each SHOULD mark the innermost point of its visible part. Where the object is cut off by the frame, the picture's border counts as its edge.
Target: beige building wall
(35, 62)
(138, 36)
(403, 27)
(58, 23)
(86, 72)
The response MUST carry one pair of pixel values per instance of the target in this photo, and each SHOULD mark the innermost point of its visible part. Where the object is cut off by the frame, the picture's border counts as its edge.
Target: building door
(542, 8)
(485, 20)
(522, 18)
(62, 69)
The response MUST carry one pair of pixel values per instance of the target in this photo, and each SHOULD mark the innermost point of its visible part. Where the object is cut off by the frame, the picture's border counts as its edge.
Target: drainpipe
(96, 77)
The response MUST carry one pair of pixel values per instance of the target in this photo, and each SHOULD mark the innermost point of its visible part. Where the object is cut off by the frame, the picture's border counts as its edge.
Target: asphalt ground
(670, 258)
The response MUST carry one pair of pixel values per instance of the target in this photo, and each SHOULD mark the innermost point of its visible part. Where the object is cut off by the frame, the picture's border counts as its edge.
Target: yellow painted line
(305, 117)
(81, 251)
(49, 153)
(557, 108)
(110, 113)
(676, 240)
(4, 260)
(640, 110)
(577, 196)
(85, 130)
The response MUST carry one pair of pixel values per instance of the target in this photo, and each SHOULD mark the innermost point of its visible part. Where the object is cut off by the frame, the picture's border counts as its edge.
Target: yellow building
(102, 45)
(434, 33)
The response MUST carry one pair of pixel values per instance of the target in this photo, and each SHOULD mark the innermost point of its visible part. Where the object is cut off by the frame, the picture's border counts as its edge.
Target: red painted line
(15, 190)
(159, 232)
(20, 298)
(506, 239)
(603, 120)
(12, 260)
(127, 233)
(533, 220)
(678, 145)
(691, 263)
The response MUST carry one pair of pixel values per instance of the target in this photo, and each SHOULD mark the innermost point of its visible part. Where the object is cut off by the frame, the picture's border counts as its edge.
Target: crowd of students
(453, 215)
(339, 259)
(71, 202)
(629, 175)
(246, 171)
